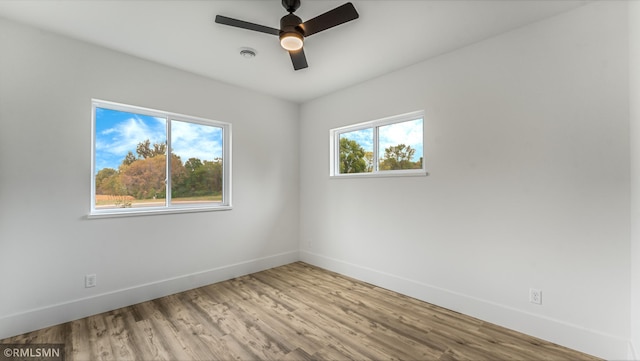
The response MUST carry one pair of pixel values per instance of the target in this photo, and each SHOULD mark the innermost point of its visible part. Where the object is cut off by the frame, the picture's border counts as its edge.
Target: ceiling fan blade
(298, 59)
(331, 18)
(246, 25)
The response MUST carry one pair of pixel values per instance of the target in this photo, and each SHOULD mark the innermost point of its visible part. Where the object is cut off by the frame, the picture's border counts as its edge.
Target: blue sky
(119, 132)
(408, 133)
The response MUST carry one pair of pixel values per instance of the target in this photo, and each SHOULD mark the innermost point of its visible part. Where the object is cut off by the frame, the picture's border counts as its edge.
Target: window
(134, 149)
(386, 147)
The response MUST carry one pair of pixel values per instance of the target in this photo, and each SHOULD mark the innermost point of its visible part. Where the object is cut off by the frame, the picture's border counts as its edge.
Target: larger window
(149, 161)
(385, 147)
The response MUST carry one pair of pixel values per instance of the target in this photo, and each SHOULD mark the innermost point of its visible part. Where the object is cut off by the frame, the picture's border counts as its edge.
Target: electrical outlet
(535, 296)
(90, 280)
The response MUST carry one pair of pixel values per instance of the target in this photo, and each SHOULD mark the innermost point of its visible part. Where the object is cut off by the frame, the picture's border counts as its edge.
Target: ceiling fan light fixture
(291, 41)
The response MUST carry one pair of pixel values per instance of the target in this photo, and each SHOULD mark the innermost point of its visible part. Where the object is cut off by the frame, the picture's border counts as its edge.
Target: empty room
(432, 180)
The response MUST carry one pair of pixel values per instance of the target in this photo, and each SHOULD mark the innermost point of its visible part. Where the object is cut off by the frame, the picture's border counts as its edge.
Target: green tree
(192, 165)
(178, 174)
(399, 157)
(107, 181)
(129, 158)
(145, 150)
(200, 179)
(352, 157)
(213, 171)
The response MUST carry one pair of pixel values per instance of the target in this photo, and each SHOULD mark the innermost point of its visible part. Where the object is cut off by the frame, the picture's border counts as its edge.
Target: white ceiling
(389, 35)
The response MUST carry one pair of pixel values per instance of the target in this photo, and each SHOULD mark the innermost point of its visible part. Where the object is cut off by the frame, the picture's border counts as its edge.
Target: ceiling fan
(293, 31)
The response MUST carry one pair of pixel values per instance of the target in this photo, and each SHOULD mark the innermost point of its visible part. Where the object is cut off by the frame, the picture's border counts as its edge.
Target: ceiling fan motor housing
(291, 24)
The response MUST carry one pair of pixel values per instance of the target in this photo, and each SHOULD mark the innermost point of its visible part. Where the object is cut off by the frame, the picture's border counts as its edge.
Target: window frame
(334, 147)
(168, 207)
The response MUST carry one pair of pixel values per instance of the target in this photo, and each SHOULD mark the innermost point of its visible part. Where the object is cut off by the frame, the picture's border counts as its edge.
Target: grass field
(106, 201)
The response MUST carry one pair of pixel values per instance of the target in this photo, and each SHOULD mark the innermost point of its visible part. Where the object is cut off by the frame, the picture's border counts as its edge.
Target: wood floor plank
(133, 341)
(161, 334)
(78, 347)
(121, 344)
(292, 312)
(298, 355)
(190, 328)
(155, 349)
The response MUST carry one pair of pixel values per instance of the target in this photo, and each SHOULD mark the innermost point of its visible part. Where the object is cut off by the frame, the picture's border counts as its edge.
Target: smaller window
(386, 147)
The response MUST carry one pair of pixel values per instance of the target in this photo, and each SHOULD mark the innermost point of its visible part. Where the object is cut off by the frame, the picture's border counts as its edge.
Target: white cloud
(196, 141)
(126, 135)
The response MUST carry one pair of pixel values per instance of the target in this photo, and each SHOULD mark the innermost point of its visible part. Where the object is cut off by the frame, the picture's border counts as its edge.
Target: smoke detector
(248, 53)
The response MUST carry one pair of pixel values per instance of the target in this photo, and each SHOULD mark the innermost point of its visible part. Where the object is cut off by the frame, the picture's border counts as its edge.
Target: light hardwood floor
(293, 312)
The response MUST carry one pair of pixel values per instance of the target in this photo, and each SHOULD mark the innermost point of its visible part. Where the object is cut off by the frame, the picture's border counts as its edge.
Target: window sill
(388, 174)
(152, 211)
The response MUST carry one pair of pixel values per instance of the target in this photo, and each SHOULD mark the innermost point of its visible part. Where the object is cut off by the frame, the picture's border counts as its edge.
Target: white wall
(634, 98)
(527, 145)
(46, 243)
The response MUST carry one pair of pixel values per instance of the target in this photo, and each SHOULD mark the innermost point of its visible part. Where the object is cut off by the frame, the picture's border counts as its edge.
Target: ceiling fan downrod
(291, 5)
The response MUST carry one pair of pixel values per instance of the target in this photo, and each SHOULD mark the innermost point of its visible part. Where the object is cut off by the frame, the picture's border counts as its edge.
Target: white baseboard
(35, 319)
(573, 336)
